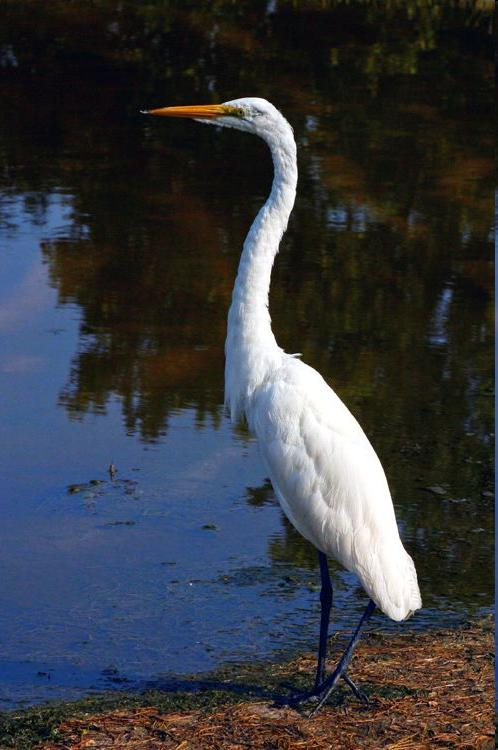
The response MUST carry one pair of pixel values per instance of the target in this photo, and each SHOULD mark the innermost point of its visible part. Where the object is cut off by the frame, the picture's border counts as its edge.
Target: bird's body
(325, 473)
(330, 483)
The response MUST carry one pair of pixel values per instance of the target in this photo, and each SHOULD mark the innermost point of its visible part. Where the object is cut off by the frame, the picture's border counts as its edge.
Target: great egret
(326, 475)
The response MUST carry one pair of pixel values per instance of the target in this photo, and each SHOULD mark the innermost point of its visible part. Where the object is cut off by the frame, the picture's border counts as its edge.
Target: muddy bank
(426, 690)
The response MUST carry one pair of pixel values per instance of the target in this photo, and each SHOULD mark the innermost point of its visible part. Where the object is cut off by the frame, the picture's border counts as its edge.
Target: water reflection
(383, 283)
(387, 252)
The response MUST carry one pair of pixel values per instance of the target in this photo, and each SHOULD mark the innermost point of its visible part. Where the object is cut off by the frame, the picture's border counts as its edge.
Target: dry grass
(431, 690)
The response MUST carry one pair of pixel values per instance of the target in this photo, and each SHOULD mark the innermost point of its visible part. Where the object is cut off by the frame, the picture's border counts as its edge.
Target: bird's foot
(298, 698)
(339, 672)
(356, 690)
(315, 695)
(321, 695)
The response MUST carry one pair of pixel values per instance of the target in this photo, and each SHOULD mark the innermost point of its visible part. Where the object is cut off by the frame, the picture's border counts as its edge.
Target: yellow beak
(202, 111)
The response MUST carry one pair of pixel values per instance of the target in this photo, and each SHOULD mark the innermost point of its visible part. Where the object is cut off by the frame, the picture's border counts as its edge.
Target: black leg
(356, 690)
(340, 671)
(326, 599)
(326, 595)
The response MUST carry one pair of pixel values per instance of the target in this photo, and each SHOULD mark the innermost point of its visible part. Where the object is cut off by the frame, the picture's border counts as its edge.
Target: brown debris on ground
(430, 690)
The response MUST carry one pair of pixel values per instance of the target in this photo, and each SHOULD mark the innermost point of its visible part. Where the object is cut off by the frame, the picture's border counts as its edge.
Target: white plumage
(331, 484)
(326, 475)
(324, 471)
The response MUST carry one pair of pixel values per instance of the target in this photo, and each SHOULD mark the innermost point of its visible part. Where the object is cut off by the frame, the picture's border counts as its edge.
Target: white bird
(325, 473)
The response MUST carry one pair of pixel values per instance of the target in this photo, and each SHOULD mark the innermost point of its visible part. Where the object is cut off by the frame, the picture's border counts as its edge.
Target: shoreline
(426, 689)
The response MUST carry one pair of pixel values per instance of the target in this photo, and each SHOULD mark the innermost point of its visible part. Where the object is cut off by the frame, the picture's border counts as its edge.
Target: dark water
(120, 238)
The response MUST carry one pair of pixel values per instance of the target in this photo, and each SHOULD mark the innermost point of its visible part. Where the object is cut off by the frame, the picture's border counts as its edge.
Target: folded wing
(331, 484)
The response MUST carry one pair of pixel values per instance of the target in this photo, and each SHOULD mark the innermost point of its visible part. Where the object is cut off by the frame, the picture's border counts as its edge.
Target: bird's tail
(393, 584)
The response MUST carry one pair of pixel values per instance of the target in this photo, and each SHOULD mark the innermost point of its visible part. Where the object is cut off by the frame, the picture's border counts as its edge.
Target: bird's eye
(234, 111)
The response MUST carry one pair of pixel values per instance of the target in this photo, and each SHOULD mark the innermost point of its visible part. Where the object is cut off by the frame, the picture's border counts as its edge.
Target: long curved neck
(251, 348)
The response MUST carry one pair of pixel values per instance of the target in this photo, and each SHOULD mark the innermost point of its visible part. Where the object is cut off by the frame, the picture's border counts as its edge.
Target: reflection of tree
(259, 496)
(384, 281)
(393, 188)
(152, 326)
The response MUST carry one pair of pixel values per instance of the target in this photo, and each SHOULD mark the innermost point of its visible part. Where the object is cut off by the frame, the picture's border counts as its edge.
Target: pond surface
(120, 238)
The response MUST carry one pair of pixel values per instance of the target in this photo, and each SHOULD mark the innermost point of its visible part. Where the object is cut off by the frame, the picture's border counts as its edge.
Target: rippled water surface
(119, 241)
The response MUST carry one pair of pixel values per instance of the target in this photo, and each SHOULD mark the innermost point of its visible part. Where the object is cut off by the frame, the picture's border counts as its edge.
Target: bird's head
(252, 114)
